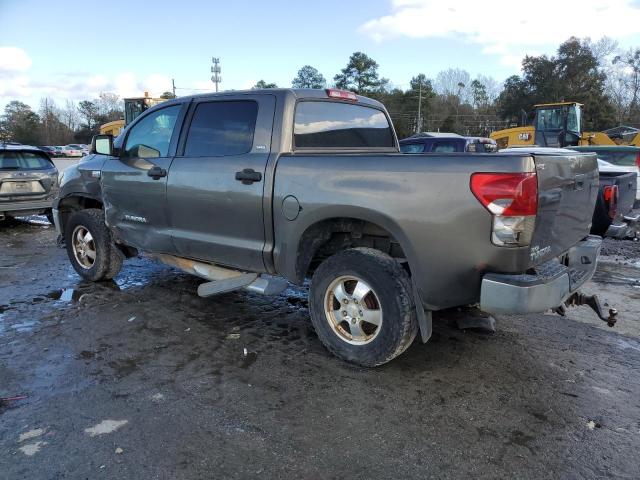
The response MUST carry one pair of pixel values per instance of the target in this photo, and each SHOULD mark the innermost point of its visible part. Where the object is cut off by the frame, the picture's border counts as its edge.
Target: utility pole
(215, 69)
(173, 84)
(419, 126)
(460, 87)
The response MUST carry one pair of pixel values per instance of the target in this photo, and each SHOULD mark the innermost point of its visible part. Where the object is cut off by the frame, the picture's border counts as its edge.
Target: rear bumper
(627, 228)
(548, 288)
(38, 206)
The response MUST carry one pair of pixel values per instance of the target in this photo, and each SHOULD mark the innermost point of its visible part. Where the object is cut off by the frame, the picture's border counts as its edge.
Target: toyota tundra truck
(255, 189)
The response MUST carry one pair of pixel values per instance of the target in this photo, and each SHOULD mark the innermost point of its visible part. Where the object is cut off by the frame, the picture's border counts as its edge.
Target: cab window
(412, 148)
(444, 146)
(150, 137)
(340, 125)
(222, 128)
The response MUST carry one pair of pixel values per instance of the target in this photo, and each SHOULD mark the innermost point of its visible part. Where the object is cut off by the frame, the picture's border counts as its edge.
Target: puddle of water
(628, 344)
(35, 220)
(67, 295)
(26, 326)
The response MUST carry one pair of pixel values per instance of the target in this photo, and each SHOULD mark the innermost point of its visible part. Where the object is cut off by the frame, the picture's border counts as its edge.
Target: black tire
(392, 287)
(108, 258)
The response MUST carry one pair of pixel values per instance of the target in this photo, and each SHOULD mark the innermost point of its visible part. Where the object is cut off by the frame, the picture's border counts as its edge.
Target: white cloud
(14, 59)
(506, 28)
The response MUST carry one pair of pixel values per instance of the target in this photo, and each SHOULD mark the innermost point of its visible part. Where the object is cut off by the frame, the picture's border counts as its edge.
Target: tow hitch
(577, 299)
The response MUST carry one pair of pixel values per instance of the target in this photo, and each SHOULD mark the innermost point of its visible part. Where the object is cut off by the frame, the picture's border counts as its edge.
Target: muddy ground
(140, 378)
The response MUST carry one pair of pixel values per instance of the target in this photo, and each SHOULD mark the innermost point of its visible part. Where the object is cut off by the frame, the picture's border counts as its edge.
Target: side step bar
(222, 280)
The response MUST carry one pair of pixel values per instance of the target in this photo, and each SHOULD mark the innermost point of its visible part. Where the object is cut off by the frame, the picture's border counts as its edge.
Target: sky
(74, 50)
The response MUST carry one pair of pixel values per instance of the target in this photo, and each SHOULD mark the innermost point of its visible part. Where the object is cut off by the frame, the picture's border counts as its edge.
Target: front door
(215, 186)
(134, 185)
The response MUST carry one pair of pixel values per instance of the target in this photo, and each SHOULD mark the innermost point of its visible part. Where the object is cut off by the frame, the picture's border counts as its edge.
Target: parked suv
(28, 181)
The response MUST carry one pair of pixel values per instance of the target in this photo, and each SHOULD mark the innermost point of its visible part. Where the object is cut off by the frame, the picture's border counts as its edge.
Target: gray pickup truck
(253, 189)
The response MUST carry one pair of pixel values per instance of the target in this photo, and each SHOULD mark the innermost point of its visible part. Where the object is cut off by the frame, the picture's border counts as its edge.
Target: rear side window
(622, 159)
(340, 125)
(412, 148)
(24, 161)
(222, 128)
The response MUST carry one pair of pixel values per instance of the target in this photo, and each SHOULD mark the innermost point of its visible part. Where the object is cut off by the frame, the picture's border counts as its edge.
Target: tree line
(598, 74)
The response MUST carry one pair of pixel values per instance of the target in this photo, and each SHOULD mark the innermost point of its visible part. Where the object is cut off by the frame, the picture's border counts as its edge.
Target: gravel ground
(141, 378)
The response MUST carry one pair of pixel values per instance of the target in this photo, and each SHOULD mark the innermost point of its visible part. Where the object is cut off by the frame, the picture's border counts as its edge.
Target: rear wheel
(362, 306)
(90, 247)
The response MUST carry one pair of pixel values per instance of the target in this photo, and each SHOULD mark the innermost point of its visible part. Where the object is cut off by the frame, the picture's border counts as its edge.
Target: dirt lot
(140, 378)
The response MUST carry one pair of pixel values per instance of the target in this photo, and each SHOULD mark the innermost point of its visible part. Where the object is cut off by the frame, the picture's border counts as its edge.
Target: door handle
(248, 176)
(156, 172)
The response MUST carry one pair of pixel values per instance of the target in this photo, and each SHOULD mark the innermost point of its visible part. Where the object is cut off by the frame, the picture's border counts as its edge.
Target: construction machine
(133, 107)
(560, 125)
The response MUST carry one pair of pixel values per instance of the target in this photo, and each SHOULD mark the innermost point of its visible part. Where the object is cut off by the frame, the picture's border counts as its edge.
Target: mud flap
(425, 319)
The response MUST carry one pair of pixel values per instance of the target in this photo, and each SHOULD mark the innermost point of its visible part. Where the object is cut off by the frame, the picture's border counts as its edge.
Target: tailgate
(20, 184)
(567, 191)
(626, 183)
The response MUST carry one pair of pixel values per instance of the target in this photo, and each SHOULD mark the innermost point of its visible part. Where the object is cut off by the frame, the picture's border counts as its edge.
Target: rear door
(216, 183)
(567, 192)
(134, 185)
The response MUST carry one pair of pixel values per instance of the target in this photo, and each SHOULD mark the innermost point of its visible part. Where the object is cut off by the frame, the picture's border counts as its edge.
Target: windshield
(133, 108)
(24, 161)
(553, 118)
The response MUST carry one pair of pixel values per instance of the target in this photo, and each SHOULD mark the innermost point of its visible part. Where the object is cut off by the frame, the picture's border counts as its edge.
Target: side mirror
(103, 145)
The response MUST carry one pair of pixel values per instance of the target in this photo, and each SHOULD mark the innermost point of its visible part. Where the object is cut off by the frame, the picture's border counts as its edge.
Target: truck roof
(297, 93)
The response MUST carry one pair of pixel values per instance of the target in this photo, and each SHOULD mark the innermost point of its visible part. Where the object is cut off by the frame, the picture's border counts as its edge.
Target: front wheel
(362, 306)
(90, 247)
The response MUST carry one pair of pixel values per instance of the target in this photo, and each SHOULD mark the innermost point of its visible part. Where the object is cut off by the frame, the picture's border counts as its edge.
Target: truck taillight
(638, 160)
(512, 199)
(610, 195)
(341, 94)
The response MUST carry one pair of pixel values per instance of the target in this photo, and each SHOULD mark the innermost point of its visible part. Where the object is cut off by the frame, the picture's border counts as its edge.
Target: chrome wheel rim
(84, 247)
(353, 310)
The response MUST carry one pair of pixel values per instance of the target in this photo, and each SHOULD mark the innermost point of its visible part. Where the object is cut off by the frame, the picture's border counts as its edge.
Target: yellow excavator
(560, 125)
(133, 107)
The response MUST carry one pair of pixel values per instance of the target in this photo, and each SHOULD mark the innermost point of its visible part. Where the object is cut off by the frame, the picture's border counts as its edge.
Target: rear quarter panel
(424, 201)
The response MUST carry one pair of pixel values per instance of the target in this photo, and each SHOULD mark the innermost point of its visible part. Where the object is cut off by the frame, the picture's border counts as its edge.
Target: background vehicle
(623, 156)
(79, 146)
(435, 142)
(613, 215)
(133, 107)
(28, 181)
(559, 125)
(51, 151)
(69, 151)
(248, 189)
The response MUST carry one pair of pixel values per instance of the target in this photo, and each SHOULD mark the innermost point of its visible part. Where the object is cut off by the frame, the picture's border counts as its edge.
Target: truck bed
(425, 203)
